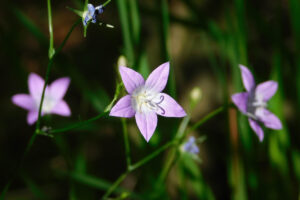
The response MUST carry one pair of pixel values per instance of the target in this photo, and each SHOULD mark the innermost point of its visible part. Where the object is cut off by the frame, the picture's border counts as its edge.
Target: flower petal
(59, 88)
(32, 116)
(266, 89)
(168, 106)
(247, 77)
(61, 108)
(146, 123)
(36, 84)
(91, 9)
(157, 80)
(123, 108)
(241, 100)
(257, 129)
(131, 78)
(24, 101)
(269, 119)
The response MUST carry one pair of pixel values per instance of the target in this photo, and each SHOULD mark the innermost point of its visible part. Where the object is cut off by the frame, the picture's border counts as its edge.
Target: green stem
(79, 124)
(152, 155)
(115, 185)
(207, 117)
(51, 48)
(126, 143)
(105, 3)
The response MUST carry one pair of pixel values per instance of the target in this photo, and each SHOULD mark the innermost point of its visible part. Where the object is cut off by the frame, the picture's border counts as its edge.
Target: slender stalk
(51, 48)
(105, 3)
(152, 155)
(79, 124)
(126, 143)
(115, 185)
(207, 117)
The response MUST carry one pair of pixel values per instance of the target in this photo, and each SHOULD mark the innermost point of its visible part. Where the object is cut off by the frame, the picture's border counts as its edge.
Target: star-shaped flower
(253, 103)
(190, 146)
(91, 13)
(145, 100)
(53, 99)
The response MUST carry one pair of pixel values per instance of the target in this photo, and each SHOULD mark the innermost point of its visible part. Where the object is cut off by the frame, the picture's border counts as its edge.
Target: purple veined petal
(59, 87)
(266, 89)
(241, 100)
(247, 78)
(91, 9)
(270, 120)
(61, 108)
(32, 116)
(131, 78)
(157, 80)
(168, 107)
(257, 129)
(146, 123)
(123, 108)
(35, 84)
(24, 101)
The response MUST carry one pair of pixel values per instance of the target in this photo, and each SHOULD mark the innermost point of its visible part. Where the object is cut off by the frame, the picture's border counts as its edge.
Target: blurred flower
(190, 146)
(91, 13)
(145, 99)
(53, 102)
(253, 103)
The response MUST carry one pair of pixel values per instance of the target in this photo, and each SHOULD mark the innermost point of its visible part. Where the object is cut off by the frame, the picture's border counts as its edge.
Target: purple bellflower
(53, 100)
(253, 103)
(190, 146)
(145, 100)
(91, 13)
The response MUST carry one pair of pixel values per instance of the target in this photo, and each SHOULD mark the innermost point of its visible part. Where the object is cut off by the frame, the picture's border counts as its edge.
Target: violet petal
(270, 120)
(131, 78)
(24, 101)
(59, 88)
(36, 84)
(257, 129)
(157, 80)
(266, 89)
(241, 100)
(247, 78)
(168, 106)
(32, 117)
(123, 108)
(146, 123)
(61, 108)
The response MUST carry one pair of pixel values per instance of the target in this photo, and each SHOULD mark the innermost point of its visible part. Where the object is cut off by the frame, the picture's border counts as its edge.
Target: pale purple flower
(190, 146)
(53, 100)
(145, 100)
(253, 103)
(91, 13)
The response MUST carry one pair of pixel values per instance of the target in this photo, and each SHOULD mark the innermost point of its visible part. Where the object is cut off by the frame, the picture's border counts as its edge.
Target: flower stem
(105, 3)
(51, 48)
(115, 185)
(136, 166)
(126, 143)
(207, 117)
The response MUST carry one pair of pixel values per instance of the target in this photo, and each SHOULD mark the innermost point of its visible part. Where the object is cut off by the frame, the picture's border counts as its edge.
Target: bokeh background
(204, 41)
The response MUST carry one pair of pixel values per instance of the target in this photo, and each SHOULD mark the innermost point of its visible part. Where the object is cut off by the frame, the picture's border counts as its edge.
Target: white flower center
(256, 105)
(144, 100)
(48, 104)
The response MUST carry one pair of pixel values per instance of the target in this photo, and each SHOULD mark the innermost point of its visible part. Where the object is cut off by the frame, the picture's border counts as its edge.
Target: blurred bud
(122, 61)
(195, 96)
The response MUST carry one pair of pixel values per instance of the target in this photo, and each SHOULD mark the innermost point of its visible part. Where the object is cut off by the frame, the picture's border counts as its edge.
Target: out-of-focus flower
(145, 100)
(190, 146)
(253, 103)
(53, 100)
